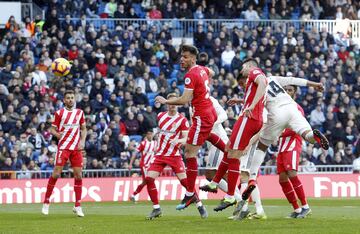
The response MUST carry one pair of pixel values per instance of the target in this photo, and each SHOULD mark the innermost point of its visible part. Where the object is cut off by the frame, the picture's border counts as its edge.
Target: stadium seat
(169, 81)
(151, 95)
(136, 138)
(181, 87)
(155, 70)
(173, 74)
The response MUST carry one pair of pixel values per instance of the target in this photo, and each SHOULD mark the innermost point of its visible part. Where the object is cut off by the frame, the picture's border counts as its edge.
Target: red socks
(299, 190)
(191, 173)
(223, 167)
(151, 188)
(216, 141)
(183, 182)
(139, 188)
(233, 174)
(289, 194)
(78, 191)
(50, 188)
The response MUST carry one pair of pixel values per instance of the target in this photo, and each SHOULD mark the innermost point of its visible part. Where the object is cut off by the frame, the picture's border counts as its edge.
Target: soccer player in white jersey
(282, 114)
(174, 128)
(146, 148)
(216, 154)
(69, 127)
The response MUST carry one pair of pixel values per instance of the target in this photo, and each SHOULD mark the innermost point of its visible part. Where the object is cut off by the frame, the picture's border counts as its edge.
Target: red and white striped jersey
(289, 140)
(68, 124)
(250, 91)
(147, 149)
(171, 128)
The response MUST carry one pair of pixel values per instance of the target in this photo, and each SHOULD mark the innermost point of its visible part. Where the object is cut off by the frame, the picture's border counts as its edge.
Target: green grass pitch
(329, 216)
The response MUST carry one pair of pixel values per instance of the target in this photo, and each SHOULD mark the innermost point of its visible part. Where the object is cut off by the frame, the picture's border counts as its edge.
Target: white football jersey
(220, 112)
(276, 95)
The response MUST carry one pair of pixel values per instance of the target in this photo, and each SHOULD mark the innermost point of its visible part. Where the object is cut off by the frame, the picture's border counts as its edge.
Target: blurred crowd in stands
(117, 73)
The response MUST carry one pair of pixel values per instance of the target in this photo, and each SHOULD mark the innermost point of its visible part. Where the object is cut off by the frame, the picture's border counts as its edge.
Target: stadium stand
(113, 57)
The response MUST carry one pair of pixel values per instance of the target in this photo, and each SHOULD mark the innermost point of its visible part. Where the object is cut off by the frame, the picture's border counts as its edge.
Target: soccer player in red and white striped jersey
(174, 129)
(290, 147)
(146, 149)
(70, 128)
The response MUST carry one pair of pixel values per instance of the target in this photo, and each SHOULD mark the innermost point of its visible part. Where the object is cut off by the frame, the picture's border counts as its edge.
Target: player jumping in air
(248, 124)
(283, 113)
(146, 148)
(69, 128)
(197, 91)
(173, 132)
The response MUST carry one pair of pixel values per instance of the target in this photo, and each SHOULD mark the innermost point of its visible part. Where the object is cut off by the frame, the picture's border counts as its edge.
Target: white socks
(255, 196)
(156, 206)
(256, 162)
(223, 185)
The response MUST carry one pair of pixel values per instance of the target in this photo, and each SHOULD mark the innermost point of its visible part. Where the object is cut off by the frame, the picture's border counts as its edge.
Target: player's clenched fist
(319, 87)
(235, 101)
(160, 100)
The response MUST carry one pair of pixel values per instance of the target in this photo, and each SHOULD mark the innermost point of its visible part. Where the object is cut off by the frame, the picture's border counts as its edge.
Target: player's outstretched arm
(284, 81)
(182, 100)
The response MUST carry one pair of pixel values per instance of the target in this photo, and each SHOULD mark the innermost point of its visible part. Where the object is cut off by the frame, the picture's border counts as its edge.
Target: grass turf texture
(329, 216)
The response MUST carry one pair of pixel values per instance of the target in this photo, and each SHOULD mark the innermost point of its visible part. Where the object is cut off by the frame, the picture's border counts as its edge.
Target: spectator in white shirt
(289, 39)
(250, 14)
(317, 117)
(227, 56)
(356, 165)
(339, 14)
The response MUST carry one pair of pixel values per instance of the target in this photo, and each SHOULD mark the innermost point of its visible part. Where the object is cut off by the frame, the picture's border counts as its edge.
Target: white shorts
(245, 160)
(286, 116)
(216, 155)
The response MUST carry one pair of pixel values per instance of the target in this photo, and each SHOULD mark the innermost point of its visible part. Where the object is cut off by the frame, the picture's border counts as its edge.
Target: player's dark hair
(170, 95)
(251, 61)
(69, 91)
(189, 48)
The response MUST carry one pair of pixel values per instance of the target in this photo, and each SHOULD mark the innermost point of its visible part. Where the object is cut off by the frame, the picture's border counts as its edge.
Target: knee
(78, 176)
(56, 175)
(262, 146)
(244, 177)
(283, 177)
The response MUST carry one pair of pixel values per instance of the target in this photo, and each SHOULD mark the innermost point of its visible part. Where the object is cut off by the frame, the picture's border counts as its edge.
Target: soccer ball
(60, 67)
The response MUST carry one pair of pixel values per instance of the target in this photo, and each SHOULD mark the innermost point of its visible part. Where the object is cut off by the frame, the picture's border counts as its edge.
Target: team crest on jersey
(187, 81)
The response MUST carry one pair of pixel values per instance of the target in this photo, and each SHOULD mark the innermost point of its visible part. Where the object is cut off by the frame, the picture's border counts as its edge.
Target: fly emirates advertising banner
(120, 189)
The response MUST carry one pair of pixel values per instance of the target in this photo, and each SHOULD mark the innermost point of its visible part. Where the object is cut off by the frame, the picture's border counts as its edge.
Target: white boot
(78, 211)
(45, 209)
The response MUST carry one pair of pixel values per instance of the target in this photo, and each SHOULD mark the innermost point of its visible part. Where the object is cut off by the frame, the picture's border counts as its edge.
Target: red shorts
(75, 156)
(244, 129)
(175, 162)
(201, 128)
(287, 161)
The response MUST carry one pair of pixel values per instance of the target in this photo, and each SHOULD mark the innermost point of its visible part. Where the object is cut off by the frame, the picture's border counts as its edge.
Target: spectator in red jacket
(343, 54)
(155, 13)
(73, 53)
(101, 67)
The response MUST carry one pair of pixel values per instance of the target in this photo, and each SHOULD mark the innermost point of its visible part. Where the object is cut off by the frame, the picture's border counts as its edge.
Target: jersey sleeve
(285, 81)
(207, 70)
(82, 118)
(189, 81)
(254, 74)
(140, 148)
(184, 125)
(57, 120)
